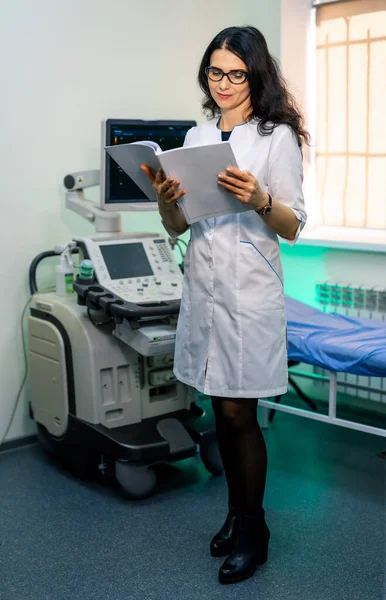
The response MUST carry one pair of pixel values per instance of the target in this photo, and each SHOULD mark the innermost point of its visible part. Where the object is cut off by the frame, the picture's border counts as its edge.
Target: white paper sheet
(129, 157)
(197, 168)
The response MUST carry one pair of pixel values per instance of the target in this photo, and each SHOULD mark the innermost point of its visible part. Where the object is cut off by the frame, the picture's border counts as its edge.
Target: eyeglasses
(235, 77)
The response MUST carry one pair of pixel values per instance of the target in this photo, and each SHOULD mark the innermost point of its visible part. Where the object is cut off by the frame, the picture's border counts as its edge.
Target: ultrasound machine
(101, 359)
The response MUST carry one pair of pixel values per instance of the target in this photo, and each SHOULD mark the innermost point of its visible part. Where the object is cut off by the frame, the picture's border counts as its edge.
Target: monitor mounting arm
(105, 222)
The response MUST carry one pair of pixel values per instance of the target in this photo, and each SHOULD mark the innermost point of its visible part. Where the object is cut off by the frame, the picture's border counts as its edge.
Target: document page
(197, 168)
(129, 157)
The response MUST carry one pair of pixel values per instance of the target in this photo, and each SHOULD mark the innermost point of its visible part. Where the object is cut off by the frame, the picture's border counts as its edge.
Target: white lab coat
(231, 334)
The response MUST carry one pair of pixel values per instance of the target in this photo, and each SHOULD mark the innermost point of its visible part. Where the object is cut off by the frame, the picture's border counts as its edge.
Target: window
(351, 114)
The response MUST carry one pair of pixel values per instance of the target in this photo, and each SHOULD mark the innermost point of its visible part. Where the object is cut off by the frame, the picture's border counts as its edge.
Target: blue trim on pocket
(266, 260)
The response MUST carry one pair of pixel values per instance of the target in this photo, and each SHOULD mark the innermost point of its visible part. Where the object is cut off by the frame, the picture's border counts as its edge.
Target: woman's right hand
(166, 188)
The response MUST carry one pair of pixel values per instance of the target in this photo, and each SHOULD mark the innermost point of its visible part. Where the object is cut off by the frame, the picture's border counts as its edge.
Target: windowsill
(344, 238)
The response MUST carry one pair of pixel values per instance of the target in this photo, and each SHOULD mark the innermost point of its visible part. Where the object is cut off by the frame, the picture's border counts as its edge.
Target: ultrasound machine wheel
(210, 456)
(136, 482)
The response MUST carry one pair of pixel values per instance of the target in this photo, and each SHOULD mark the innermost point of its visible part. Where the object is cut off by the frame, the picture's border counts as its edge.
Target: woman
(231, 335)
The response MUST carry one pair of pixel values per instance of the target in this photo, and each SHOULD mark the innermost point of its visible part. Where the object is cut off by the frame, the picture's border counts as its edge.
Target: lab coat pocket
(260, 284)
(264, 349)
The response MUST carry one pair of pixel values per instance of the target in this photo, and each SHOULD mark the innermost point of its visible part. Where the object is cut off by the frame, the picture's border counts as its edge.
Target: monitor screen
(126, 260)
(119, 188)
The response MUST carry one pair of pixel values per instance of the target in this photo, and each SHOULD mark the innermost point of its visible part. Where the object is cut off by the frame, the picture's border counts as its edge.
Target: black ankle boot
(250, 549)
(222, 543)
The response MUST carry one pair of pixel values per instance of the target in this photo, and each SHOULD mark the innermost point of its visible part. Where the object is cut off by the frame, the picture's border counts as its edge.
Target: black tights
(243, 452)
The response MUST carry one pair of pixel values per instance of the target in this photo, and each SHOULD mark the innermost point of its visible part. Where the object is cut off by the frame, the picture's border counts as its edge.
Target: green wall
(303, 267)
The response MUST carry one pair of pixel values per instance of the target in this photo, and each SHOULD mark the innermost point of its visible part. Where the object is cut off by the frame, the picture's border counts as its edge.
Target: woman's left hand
(243, 186)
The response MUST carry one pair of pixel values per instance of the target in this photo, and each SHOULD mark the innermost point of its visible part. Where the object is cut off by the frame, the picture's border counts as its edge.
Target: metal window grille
(351, 113)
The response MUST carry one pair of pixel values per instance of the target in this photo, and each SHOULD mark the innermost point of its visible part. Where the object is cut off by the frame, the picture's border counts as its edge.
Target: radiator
(354, 301)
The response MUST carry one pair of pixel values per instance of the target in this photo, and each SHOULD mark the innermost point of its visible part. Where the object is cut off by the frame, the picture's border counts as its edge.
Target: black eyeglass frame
(209, 69)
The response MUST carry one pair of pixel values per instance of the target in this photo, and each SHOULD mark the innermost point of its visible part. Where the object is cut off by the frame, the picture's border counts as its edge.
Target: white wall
(69, 65)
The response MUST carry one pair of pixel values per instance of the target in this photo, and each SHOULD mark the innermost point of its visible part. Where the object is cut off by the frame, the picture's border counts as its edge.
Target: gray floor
(63, 539)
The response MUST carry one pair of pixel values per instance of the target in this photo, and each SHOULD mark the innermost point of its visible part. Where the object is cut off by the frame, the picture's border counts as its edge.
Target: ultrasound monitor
(118, 190)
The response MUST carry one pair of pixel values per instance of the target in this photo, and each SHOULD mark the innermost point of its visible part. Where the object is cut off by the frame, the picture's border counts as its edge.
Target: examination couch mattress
(335, 342)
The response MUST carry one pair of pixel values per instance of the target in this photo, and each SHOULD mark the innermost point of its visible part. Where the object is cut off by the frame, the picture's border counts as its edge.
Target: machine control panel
(139, 268)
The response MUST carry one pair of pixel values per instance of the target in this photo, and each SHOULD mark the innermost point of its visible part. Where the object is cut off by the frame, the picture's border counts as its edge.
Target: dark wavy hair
(271, 102)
